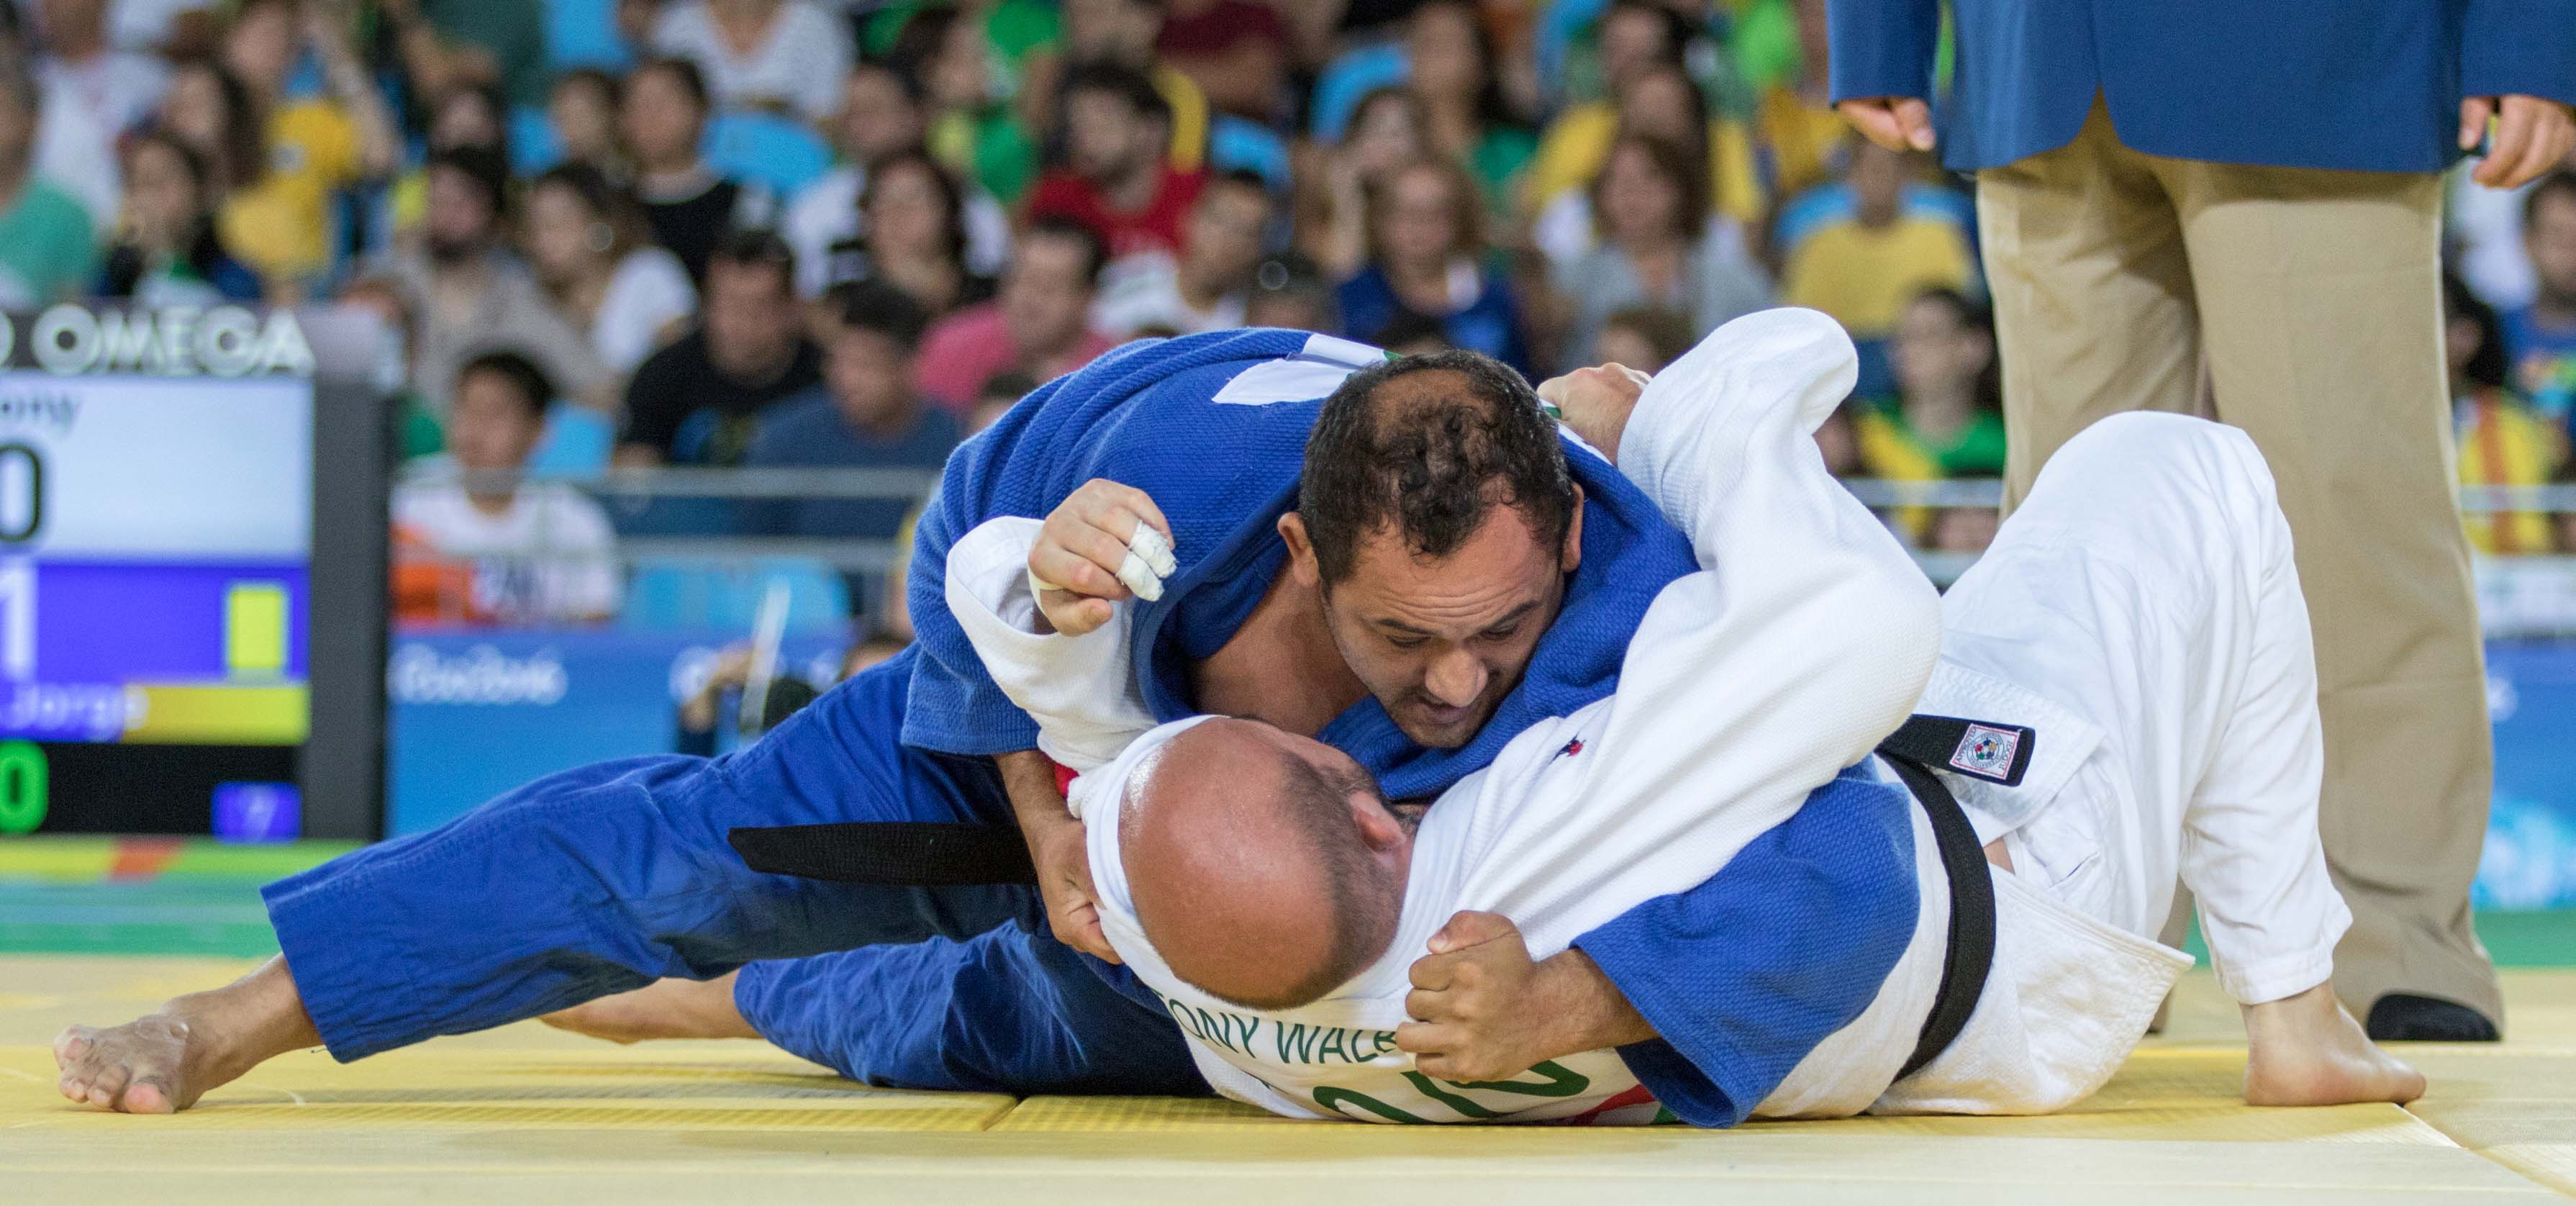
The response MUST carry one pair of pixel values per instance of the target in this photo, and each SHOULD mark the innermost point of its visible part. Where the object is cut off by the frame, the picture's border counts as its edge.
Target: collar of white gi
(1095, 793)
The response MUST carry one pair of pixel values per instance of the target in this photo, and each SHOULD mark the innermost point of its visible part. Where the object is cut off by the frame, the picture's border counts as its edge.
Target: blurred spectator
(1836, 444)
(1644, 338)
(1863, 269)
(999, 395)
(115, 90)
(946, 54)
(463, 117)
(47, 250)
(593, 252)
(1661, 103)
(472, 295)
(279, 220)
(1289, 292)
(1123, 32)
(1946, 420)
(698, 401)
(210, 109)
(1207, 289)
(1641, 49)
(880, 115)
(1411, 335)
(1039, 325)
(784, 55)
(690, 207)
(581, 110)
(2501, 442)
(1450, 64)
(166, 251)
(1387, 131)
(451, 44)
(417, 431)
(1651, 205)
(1115, 181)
(1236, 50)
(1424, 247)
(915, 237)
(2540, 338)
(866, 415)
(504, 551)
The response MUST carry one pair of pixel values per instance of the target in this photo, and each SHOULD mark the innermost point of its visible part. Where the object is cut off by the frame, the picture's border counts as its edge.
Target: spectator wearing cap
(280, 222)
(867, 414)
(471, 295)
(1651, 206)
(1207, 288)
(664, 117)
(783, 55)
(698, 401)
(1425, 257)
(47, 252)
(1115, 181)
(480, 545)
(881, 113)
(1039, 325)
(594, 255)
(446, 45)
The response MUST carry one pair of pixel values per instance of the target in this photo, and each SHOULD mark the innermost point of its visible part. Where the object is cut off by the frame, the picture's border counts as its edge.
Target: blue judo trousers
(602, 879)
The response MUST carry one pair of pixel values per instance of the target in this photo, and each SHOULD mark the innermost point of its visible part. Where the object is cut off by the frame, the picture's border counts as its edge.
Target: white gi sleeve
(1803, 642)
(1081, 690)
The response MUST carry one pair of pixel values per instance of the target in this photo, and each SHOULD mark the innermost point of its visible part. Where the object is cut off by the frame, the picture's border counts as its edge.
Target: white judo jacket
(1807, 636)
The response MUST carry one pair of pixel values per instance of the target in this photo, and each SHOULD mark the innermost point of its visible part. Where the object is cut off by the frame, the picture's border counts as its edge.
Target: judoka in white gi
(2140, 611)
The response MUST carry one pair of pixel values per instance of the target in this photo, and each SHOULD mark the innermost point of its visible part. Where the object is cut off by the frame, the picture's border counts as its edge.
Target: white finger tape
(1148, 561)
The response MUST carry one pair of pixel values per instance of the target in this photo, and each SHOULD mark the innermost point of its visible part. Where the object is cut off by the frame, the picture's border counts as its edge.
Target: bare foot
(2305, 1050)
(164, 1062)
(664, 1009)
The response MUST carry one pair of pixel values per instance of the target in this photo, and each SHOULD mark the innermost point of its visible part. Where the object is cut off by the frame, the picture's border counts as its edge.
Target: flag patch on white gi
(1986, 753)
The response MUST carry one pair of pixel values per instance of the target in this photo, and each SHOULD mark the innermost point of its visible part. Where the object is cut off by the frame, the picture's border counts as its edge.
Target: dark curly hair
(1397, 447)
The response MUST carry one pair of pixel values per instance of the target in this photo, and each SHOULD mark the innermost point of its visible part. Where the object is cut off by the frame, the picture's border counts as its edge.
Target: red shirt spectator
(1115, 182)
(1040, 325)
(1157, 227)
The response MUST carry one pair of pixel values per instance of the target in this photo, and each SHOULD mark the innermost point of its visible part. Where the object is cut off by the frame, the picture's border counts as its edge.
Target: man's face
(1224, 239)
(1049, 289)
(868, 373)
(1104, 139)
(2551, 240)
(1441, 641)
(1421, 216)
(751, 317)
(460, 217)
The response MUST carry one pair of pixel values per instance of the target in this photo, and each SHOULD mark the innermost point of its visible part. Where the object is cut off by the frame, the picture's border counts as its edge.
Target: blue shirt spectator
(1424, 245)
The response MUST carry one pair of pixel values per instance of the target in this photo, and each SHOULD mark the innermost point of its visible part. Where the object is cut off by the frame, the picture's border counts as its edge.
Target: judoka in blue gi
(603, 879)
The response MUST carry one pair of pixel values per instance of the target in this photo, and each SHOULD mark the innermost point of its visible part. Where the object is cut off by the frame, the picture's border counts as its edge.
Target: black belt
(927, 854)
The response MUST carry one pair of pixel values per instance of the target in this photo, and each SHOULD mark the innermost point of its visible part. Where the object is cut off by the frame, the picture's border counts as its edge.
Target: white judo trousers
(2146, 585)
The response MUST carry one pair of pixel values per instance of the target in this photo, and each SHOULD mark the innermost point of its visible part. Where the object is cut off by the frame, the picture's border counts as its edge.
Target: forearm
(1582, 1008)
(1028, 778)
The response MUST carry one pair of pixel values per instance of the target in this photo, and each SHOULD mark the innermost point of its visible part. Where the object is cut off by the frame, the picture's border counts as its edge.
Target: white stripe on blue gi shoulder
(1315, 371)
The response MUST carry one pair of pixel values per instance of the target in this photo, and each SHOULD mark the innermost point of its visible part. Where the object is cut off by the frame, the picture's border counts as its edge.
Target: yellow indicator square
(255, 628)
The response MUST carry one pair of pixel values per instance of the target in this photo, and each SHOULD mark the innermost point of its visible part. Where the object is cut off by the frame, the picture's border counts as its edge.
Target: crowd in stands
(818, 234)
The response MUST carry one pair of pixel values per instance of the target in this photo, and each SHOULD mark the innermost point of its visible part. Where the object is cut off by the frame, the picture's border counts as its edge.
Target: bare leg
(664, 1009)
(2306, 1050)
(166, 1061)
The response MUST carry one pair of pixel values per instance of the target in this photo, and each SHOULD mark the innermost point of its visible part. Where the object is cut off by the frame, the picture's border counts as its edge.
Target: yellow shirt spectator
(2502, 443)
(281, 226)
(1864, 275)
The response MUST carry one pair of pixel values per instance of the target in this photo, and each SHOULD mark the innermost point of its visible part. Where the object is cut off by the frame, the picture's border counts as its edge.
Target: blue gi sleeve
(1881, 47)
(1745, 974)
(2518, 46)
(605, 878)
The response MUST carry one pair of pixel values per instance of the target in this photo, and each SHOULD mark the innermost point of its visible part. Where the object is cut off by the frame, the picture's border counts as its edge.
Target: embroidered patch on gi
(1572, 747)
(1986, 753)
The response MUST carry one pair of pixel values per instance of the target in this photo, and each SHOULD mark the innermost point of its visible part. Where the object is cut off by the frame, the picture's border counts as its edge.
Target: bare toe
(72, 1044)
(147, 1097)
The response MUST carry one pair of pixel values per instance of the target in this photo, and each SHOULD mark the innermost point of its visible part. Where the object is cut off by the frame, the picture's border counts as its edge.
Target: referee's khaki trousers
(2313, 298)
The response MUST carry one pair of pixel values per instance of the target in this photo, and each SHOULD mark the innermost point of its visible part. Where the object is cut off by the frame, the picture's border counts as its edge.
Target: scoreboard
(161, 479)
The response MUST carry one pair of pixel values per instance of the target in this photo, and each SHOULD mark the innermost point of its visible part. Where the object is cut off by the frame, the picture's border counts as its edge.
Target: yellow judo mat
(527, 1114)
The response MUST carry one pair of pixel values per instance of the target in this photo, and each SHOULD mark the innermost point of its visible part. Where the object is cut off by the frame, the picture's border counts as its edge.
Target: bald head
(1265, 868)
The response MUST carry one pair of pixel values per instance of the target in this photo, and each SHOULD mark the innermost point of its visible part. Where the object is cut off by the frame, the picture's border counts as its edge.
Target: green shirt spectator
(47, 250)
